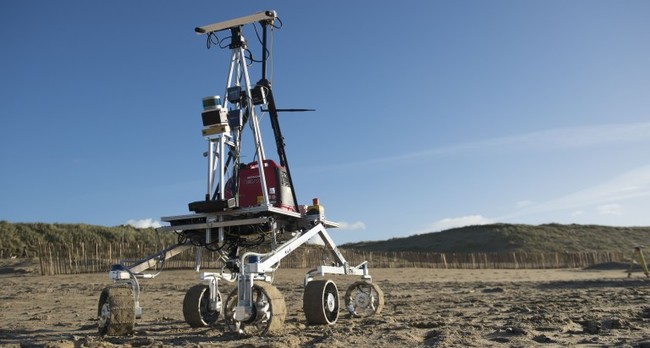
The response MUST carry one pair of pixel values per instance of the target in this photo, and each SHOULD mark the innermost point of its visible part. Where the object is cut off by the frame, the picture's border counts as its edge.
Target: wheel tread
(313, 305)
(122, 306)
(380, 295)
(278, 306)
(192, 306)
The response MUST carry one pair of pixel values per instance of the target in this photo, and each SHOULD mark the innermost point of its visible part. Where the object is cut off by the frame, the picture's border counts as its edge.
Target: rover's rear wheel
(116, 311)
(363, 299)
(196, 306)
(321, 302)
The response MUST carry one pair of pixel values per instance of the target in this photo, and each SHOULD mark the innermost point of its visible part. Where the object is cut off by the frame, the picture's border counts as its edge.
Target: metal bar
(165, 255)
(264, 42)
(252, 221)
(231, 68)
(257, 135)
(210, 168)
(243, 211)
(341, 270)
(264, 16)
(268, 260)
(222, 186)
(330, 244)
(222, 175)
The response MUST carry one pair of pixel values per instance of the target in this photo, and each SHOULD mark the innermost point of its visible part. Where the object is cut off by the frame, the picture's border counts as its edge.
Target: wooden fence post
(49, 250)
(97, 256)
(41, 255)
(71, 258)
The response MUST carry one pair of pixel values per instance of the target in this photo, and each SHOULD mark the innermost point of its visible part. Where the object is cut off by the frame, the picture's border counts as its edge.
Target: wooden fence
(82, 258)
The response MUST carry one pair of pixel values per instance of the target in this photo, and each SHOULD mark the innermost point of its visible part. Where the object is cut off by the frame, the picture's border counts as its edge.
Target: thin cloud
(552, 139)
(555, 139)
(357, 225)
(579, 137)
(144, 223)
(632, 184)
(470, 220)
(524, 204)
(316, 240)
(610, 209)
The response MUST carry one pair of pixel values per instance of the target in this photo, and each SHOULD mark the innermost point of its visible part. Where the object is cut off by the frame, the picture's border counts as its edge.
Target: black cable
(259, 39)
(181, 239)
(250, 57)
(221, 45)
(278, 26)
(217, 248)
(212, 39)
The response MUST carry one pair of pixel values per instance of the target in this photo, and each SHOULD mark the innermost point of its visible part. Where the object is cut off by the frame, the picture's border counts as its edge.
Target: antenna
(265, 16)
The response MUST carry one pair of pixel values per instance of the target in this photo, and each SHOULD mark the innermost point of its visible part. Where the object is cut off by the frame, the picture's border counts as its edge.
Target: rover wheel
(268, 312)
(196, 306)
(116, 311)
(363, 299)
(321, 302)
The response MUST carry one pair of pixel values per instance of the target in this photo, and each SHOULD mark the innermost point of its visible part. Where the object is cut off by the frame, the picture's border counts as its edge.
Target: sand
(424, 307)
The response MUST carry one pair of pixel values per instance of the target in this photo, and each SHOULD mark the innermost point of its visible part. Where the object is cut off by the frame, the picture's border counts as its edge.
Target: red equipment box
(277, 183)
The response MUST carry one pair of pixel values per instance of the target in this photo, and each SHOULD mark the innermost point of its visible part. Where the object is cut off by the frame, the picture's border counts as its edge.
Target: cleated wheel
(321, 302)
(269, 311)
(363, 299)
(116, 311)
(196, 306)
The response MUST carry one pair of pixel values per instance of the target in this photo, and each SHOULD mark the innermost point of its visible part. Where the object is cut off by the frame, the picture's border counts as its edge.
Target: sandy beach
(424, 307)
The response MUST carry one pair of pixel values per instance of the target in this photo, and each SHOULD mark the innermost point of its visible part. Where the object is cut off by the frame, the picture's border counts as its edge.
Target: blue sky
(429, 116)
